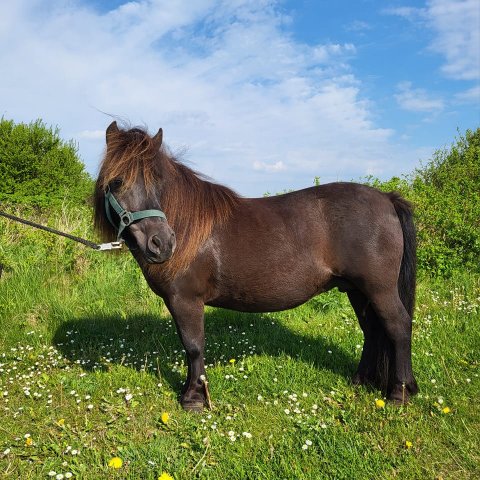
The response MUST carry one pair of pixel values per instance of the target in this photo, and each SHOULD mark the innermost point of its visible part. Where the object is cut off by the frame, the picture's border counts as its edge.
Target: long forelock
(130, 153)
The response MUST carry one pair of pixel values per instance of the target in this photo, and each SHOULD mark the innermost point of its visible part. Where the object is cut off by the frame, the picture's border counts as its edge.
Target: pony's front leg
(189, 320)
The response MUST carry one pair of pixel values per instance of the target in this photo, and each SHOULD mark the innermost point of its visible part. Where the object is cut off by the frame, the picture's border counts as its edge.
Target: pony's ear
(158, 138)
(111, 129)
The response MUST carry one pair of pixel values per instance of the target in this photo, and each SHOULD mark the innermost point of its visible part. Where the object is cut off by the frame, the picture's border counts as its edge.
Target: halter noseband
(126, 217)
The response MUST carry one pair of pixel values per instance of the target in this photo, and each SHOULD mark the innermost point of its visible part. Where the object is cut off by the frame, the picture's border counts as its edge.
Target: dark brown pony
(264, 254)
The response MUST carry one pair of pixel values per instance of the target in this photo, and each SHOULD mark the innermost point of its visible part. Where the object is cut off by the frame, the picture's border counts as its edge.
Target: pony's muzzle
(160, 246)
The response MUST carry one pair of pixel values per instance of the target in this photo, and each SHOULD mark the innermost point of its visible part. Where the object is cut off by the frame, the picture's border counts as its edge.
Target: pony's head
(127, 194)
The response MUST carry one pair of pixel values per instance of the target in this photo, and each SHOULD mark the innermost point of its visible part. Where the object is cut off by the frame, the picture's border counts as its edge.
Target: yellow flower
(446, 410)
(115, 462)
(232, 361)
(380, 403)
(165, 418)
(28, 441)
(61, 422)
(165, 476)
(408, 444)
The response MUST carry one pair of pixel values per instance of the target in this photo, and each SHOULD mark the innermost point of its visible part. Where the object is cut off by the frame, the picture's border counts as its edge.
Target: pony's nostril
(156, 241)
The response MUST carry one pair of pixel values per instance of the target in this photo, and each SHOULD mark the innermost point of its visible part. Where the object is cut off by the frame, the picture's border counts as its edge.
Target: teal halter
(126, 217)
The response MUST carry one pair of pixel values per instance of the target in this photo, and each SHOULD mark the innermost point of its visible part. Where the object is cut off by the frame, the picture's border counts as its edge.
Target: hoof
(399, 400)
(400, 395)
(195, 406)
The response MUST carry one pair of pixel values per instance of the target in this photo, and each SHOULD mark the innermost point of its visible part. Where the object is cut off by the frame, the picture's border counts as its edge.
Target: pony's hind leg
(397, 326)
(377, 351)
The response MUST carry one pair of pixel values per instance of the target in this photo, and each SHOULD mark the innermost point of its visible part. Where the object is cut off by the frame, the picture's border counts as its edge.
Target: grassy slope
(72, 346)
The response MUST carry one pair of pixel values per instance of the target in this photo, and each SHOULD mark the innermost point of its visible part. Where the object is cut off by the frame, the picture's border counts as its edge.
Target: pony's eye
(115, 184)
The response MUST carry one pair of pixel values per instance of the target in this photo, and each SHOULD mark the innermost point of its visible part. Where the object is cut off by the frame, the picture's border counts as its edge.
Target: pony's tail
(408, 269)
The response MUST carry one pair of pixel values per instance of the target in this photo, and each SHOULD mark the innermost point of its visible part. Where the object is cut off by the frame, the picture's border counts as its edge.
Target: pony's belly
(280, 287)
(255, 307)
(265, 301)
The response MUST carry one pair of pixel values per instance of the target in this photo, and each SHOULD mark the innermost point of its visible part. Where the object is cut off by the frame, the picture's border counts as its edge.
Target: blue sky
(262, 95)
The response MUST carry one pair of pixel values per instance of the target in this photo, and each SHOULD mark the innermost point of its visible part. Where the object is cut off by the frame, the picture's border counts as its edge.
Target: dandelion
(408, 444)
(446, 410)
(61, 422)
(165, 476)
(232, 361)
(379, 403)
(115, 462)
(165, 417)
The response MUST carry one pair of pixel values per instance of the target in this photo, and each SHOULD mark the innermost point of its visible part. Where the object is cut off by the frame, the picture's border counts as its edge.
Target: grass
(90, 360)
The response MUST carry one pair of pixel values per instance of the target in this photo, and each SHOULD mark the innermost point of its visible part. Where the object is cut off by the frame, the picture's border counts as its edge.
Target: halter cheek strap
(126, 217)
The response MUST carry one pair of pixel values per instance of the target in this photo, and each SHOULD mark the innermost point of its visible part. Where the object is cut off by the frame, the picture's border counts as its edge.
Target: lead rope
(88, 243)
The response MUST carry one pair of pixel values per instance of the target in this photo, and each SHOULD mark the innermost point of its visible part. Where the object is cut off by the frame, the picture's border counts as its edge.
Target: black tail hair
(408, 270)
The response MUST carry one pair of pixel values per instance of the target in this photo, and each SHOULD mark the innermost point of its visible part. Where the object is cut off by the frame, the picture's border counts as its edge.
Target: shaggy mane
(192, 204)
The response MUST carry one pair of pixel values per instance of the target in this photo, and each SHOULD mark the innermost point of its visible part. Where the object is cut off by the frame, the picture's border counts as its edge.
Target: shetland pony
(206, 245)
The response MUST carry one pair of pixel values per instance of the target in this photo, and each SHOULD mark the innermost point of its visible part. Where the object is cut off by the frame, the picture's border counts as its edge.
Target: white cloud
(224, 78)
(417, 99)
(269, 167)
(472, 95)
(92, 134)
(410, 13)
(456, 28)
(358, 26)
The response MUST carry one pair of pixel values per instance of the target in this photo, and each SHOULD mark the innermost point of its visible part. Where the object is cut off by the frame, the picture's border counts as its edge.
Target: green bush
(446, 193)
(38, 168)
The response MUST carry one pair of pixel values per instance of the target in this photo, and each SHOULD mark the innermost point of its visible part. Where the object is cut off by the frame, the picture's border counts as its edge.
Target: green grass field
(90, 363)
